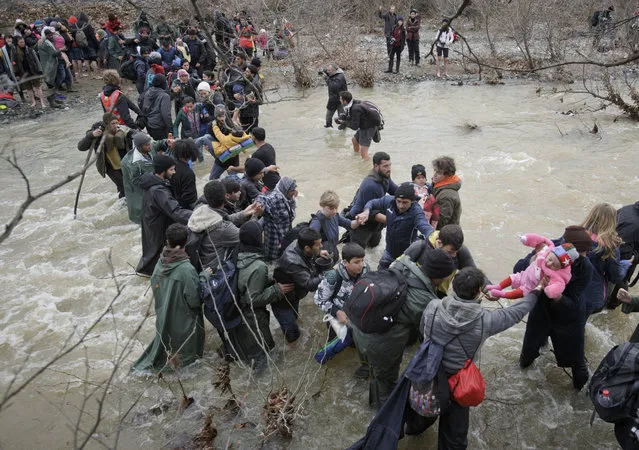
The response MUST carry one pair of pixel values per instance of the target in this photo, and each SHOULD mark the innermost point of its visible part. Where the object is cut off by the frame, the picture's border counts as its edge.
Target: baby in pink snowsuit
(552, 261)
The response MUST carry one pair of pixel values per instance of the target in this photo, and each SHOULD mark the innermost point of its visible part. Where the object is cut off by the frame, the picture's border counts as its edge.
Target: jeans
(330, 112)
(204, 141)
(217, 170)
(63, 76)
(285, 312)
(385, 261)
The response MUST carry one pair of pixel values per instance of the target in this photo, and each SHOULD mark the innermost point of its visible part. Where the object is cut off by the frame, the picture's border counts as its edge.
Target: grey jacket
(212, 238)
(156, 105)
(463, 325)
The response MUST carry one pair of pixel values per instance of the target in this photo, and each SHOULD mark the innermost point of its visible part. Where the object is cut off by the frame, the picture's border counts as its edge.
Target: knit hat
(400, 18)
(567, 254)
(140, 139)
(108, 117)
(437, 264)
(38, 23)
(579, 237)
(72, 20)
(417, 170)
(159, 80)
(413, 10)
(406, 191)
(162, 163)
(220, 111)
(253, 166)
(182, 72)
(251, 233)
(204, 86)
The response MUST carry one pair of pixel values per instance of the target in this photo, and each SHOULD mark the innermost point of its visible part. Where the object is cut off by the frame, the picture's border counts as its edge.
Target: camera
(322, 72)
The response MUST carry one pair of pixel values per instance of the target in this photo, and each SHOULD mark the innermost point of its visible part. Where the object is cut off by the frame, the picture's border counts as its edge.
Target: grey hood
(458, 316)
(204, 218)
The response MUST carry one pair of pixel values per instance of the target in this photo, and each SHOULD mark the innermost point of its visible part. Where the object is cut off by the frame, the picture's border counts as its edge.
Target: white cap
(204, 86)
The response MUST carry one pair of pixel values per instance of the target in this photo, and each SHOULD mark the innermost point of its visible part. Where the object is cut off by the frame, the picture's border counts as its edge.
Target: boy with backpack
(385, 307)
(336, 288)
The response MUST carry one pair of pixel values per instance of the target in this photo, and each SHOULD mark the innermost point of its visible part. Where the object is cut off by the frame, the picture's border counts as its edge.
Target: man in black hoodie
(159, 210)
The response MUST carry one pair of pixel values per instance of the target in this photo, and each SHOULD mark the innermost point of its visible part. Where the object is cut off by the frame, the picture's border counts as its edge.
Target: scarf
(448, 180)
(171, 255)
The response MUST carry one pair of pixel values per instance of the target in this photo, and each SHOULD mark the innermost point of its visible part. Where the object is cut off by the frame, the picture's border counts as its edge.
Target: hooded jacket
(336, 83)
(91, 142)
(328, 297)
(212, 238)
(184, 185)
(401, 229)
(159, 210)
(372, 187)
(178, 314)
(606, 270)
(156, 106)
(134, 165)
(256, 290)
(462, 326)
(447, 195)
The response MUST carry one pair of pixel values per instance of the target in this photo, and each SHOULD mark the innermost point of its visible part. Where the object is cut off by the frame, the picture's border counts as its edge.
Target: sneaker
(363, 371)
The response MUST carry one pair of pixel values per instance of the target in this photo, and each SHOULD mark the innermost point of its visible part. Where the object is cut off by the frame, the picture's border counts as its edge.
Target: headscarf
(283, 187)
(251, 237)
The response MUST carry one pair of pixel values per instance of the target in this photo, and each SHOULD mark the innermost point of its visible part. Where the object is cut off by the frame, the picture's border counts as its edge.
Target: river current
(525, 168)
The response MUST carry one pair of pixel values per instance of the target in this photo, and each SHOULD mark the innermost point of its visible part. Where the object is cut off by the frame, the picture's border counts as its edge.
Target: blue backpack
(218, 292)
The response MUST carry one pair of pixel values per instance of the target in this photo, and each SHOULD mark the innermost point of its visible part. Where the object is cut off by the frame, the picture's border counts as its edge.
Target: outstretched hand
(624, 296)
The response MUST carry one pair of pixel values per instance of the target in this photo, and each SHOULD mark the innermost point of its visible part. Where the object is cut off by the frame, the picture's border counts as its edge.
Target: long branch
(9, 227)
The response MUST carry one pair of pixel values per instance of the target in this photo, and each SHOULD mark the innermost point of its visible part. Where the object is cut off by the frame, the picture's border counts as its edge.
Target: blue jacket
(329, 228)
(372, 187)
(609, 270)
(168, 55)
(400, 228)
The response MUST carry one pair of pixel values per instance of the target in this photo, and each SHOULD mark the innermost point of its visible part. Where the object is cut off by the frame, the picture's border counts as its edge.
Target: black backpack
(127, 69)
(614, 385)
(375, 299)
(218, 292)
(373, 110)
(292, 234)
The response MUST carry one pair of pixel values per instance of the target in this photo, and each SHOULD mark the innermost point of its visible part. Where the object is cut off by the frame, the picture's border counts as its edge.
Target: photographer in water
(336, 82)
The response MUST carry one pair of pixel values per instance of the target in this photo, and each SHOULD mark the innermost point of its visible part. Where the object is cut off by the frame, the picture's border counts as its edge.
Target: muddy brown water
(525, 168)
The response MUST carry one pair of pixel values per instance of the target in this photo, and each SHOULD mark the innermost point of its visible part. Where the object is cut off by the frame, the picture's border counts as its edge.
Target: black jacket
(197, 51)
(156, 106)
(336, 83)
(301, 269)
(628, 229)
(184, 186)
(266, 154)
(362, 118)
(159, 210)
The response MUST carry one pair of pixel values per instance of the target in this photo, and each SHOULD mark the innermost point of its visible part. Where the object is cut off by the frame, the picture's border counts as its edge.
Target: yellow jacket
(223, 141)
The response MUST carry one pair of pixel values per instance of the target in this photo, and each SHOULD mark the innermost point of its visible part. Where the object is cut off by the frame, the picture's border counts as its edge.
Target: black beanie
(417, 170)
(162, 163)
(406, 190)
(253, 166)
(251, 234)
(437, 264)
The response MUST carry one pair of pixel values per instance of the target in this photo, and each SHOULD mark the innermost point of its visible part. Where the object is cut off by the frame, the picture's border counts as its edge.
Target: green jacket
(48, 59)
(450, 209)
(179, 322)
(134, 165)
(256, 290)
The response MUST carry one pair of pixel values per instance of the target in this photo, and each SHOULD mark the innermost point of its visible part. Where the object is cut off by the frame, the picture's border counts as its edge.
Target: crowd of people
(62, 51)
(211, 255)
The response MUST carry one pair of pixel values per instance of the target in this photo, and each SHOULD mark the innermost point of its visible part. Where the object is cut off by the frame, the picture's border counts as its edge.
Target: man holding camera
(336, 82)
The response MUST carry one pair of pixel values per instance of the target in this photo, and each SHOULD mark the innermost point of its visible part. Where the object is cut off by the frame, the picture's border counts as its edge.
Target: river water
(525, 168)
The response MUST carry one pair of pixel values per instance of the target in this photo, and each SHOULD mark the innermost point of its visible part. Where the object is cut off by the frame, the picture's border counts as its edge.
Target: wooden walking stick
(84, 172)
